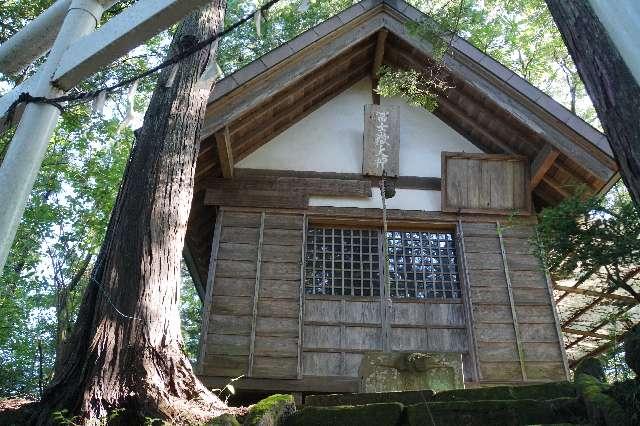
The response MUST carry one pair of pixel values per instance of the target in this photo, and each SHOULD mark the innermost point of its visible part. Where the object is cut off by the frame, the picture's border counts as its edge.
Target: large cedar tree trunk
(126, 347)
(610, 84)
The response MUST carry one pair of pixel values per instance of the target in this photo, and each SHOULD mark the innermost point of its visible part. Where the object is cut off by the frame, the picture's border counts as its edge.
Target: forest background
(69, 207)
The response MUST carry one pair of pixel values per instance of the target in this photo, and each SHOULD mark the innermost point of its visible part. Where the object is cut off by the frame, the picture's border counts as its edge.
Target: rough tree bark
(610, 84)
(125, 350)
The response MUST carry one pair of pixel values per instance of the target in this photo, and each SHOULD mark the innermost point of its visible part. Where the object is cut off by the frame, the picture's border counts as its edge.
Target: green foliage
(593, 236)
(410, 85)
(190, 315)
(271, 410)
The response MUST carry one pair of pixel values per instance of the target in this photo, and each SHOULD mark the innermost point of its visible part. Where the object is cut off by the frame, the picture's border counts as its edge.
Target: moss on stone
(542, 391)
(627, 395)
(270, 411)
(508, 412)
(359, 415)
(591, 366)
(601, 407)
(332, 400)
(224, 420)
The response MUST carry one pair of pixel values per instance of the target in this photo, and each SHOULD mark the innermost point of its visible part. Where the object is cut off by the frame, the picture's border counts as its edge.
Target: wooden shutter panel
(485, 183)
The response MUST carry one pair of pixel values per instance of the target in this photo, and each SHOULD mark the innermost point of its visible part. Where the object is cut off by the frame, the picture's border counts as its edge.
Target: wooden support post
(256, 297)
(556, 319)
(542, 163)
(516, 326)
(301, 297)
(208, 300)
(466, 300)
(377, 62)
(225, 153)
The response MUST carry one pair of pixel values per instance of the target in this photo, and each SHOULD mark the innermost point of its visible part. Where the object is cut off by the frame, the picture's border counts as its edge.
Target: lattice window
(423, 265)
(342, 262)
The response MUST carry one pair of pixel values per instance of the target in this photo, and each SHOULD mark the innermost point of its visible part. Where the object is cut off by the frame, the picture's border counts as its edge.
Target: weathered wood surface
(513, 310)
(334, 332)
(225, 154)
(485, 183)
(254, 311)
(381, 149)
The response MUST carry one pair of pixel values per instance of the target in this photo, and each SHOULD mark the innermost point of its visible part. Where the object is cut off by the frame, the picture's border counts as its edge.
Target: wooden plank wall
(339, 330)
(271, 336)
(255, 333)
(514, 326)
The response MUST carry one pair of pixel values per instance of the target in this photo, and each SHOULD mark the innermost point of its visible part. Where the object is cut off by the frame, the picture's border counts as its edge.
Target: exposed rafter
(377, 63)
(225, 153)
(609, 296)
(585, 333)
(602, 348)
(542, 163)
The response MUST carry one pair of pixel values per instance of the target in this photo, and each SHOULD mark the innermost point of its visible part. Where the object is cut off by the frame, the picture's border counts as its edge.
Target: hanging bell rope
(385, 243)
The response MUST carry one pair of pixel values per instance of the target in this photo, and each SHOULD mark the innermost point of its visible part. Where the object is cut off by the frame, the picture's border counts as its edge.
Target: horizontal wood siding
(494, 323)
(513, 336)
(230, 320)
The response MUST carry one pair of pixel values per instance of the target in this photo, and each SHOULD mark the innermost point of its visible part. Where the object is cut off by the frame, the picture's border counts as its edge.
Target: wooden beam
(331, 384)
(557, 187)
(251, 198)
(604, 347)
(586, 333)
(379, 54)
(225, 153)
(455, 117)
(601, 324)
(624, 299)
(542, 163)
(378, 57)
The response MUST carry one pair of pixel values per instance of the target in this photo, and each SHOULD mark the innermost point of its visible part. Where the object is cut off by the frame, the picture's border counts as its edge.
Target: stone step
(332, 400)
(542, 391)
(468, 413)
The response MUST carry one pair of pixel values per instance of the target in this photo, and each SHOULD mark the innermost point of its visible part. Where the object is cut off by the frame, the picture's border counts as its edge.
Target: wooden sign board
(381, 148)
(485, 183)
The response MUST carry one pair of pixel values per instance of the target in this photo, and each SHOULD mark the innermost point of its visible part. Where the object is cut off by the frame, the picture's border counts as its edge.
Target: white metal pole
(29, 144)
(33, 40)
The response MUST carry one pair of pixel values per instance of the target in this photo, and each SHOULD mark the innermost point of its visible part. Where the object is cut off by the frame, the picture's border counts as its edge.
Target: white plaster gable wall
(330, 140)
(423, 137)
(327, 140)
(405, 199)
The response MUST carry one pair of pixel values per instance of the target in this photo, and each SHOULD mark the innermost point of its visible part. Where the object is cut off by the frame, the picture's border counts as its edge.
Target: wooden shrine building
(285, 240)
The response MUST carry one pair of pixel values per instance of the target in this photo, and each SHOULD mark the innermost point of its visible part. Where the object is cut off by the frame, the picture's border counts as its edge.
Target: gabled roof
(490, 105)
